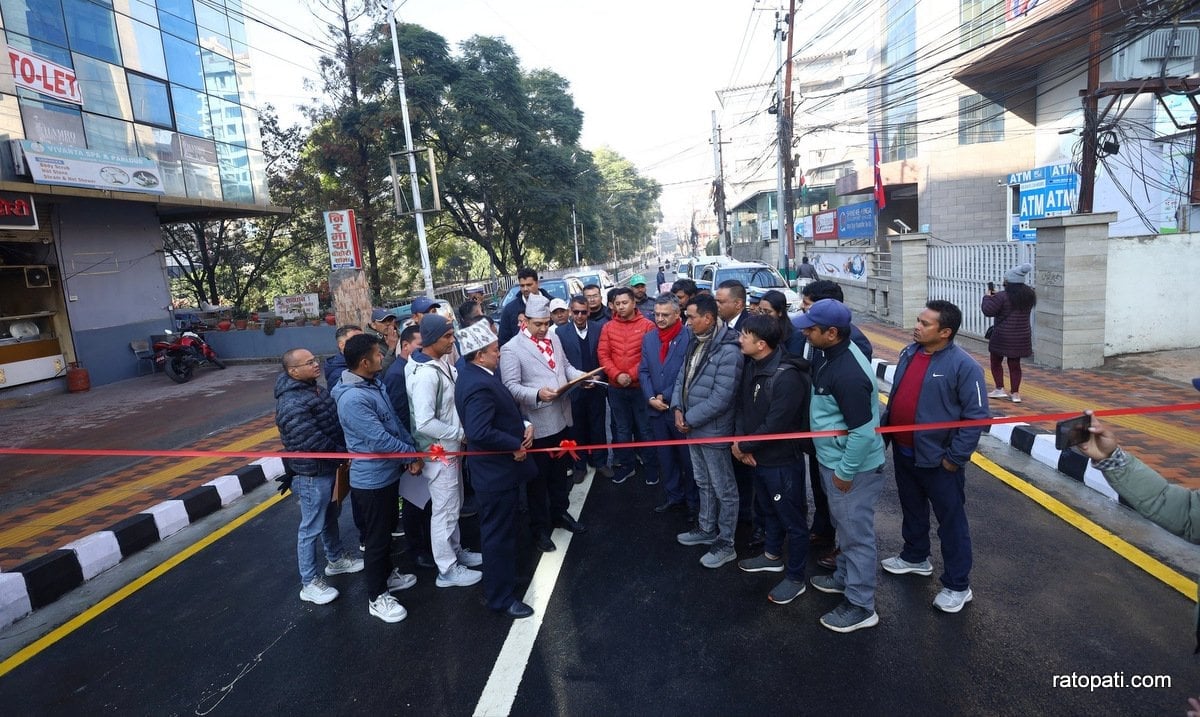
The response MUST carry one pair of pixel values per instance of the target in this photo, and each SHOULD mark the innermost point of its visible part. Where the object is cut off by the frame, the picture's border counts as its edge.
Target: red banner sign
(342, 232)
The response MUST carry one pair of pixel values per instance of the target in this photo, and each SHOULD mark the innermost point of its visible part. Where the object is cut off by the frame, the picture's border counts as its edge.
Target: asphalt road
(634, 626)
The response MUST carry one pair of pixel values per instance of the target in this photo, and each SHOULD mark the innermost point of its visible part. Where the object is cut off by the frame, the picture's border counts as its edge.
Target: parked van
(756, 276)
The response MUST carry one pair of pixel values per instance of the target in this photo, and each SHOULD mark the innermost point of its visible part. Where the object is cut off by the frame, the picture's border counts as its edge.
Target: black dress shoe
(425, 561)
(669, 507)
(604, 471)
(545, 544)
(566, 522)
(757, 539)
(518, 610)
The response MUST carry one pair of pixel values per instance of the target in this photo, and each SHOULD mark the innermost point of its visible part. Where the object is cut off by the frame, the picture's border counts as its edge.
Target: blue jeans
(318, 517)
(779, 492)
(853, 514)
(675, 461)
(713, 466)
(629, 412)
(919, 488)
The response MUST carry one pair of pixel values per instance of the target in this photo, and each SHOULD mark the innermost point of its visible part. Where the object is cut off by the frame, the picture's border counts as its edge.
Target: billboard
(342, 233)
(1048, 191)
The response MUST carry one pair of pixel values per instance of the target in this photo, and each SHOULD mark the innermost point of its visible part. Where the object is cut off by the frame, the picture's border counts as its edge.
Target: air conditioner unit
(1144, 58)
(37, 277)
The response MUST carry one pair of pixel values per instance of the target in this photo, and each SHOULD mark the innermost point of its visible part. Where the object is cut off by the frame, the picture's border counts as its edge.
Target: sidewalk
(1170, 442)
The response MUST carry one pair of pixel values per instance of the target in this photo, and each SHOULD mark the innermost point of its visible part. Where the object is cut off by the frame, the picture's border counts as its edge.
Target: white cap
(557, 303)
(474, 337)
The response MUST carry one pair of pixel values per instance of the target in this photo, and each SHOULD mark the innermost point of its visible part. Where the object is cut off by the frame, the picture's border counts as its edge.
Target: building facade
(119, 116)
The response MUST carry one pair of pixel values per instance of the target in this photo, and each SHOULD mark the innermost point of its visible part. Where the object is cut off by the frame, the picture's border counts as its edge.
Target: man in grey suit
(533, 367)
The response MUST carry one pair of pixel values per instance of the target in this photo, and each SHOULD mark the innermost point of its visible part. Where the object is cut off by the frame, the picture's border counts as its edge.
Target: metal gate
(960, 272)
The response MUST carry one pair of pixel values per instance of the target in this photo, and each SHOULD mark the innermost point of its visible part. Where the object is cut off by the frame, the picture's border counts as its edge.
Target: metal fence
(960, 272)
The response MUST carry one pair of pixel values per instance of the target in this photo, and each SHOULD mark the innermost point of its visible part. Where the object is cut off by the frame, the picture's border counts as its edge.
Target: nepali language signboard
(17, 211)
(856, 221)
(342, 233)
(296, 306)
(49, 163)
(1048, 191)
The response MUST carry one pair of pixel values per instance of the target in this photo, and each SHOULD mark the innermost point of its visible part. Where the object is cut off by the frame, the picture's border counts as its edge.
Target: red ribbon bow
(437, 453)
(568, 447)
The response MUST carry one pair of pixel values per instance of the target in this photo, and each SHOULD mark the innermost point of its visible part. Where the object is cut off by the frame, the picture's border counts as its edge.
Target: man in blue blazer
(492, 421)
(579, 341)
(662, 359)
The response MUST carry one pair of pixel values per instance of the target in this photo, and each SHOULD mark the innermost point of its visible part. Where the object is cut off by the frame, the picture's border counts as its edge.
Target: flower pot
(254, 316)
(314, 322)
(240, 324)
(278, 322)
(224, 324)
(331, 319)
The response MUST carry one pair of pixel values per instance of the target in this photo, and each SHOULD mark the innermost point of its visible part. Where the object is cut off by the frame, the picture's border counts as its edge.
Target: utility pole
(719, 183)
(782, 141)
(411, 151)
(789, 211)
(1087, 166)
(575, 233)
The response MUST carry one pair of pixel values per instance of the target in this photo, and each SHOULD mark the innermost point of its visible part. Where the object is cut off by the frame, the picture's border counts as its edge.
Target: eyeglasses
(314, 361)
(580, 312)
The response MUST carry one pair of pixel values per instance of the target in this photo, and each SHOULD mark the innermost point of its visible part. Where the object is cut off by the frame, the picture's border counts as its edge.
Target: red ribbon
(568, 447)
(187, 453)
(437, 453)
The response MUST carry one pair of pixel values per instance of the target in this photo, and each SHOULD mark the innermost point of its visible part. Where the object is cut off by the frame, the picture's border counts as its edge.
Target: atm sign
(44, 77)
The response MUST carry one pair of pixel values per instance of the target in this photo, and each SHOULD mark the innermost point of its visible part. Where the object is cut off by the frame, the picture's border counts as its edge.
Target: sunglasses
(579, 312)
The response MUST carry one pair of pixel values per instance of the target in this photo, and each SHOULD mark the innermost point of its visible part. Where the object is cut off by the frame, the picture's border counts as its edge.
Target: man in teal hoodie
(845, 397)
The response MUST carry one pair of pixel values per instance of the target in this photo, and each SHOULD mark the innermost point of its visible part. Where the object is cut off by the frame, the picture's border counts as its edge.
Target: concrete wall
(257, 344)
(1153, 294)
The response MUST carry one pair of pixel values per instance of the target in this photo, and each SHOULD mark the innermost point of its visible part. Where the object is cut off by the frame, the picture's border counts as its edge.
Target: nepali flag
(880, 198)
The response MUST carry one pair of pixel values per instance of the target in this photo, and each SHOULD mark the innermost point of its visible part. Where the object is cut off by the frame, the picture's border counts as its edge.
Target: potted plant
(239, 319)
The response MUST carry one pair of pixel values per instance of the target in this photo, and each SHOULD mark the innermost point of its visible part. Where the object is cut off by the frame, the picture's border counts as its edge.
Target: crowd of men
(700, 384)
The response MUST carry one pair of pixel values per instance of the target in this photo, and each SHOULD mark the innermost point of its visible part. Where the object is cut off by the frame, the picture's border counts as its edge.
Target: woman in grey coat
(1012, 336)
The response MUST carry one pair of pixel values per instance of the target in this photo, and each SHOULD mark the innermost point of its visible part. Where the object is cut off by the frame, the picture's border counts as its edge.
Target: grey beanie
(1015, 275)
(433, 327)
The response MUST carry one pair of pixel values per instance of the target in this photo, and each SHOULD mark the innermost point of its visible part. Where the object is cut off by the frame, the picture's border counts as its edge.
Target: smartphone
(1072, 432)
(991, 286)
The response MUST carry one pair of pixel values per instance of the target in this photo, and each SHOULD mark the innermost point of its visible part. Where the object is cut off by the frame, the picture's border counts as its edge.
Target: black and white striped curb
(43, 580)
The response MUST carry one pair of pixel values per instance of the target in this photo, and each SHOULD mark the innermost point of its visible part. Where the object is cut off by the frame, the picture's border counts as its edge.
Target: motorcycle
(179, 357)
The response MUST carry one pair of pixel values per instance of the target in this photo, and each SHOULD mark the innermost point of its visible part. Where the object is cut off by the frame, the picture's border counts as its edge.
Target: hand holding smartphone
(1072, 432)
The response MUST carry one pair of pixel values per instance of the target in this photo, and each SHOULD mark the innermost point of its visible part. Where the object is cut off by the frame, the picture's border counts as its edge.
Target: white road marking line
(502, 684)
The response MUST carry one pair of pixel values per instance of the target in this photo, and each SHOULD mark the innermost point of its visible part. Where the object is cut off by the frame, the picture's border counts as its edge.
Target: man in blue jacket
(371, 426)
(845, 398)
(662, 360)
(579, 338)
(492, 421)
(936, 381)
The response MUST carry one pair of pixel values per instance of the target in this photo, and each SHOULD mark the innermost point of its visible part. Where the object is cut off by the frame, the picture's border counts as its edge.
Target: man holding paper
(534, 369)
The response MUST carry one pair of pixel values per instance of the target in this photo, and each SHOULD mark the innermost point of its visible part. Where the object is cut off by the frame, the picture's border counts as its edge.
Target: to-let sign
(344, 250)
(44, 77)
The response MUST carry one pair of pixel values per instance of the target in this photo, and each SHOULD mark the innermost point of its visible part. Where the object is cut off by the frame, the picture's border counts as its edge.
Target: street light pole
(575, 233)
(426, 270)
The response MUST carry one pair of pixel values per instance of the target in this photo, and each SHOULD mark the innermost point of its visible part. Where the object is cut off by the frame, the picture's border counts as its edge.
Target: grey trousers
(853, 515)
(713, 468)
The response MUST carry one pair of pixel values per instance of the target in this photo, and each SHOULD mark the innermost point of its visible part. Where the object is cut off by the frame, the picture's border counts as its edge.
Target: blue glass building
(119, 116)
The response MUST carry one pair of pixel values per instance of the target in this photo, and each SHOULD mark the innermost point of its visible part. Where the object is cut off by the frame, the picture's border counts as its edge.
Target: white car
(754, 275)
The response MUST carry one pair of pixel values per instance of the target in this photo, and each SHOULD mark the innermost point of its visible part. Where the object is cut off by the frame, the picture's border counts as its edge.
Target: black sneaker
(622, 474)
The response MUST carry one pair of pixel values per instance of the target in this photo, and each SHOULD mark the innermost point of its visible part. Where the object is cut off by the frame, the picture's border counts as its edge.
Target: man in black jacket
(308, 423)
(774, 399)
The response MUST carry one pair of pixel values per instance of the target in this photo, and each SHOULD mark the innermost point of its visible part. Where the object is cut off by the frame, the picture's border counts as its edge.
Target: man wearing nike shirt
(935, 382)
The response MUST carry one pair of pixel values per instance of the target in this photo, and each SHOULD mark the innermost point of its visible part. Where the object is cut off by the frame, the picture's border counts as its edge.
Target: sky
(644, 72)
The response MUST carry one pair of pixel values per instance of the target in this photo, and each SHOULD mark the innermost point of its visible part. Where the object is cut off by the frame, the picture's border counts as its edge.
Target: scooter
(179, 357)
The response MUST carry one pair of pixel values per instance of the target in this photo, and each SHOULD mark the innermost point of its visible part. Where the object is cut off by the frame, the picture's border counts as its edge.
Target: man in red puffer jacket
(620, 353)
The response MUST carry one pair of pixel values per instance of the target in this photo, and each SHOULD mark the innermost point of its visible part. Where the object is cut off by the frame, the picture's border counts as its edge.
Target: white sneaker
(469, 558)
(900, 566)
(400, 581)
(344, 564)
(318, 592)
(998, 393)
(952, 600)
(1016, 397)
(387, 608)
(458, 576)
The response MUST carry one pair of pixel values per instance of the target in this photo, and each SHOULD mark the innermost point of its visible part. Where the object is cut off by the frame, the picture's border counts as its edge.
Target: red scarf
(665, 337)
(546, 346)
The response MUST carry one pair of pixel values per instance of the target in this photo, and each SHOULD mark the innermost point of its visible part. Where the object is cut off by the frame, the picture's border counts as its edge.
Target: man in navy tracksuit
(936, 381)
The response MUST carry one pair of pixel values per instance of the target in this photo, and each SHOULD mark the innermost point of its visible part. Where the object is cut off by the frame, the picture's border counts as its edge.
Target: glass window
(105, 134)
(54, 53)
(226, 121)
(183, 62)
(141, 46)
(151, 100)
(220, 74)
(213, 25)
(235, 174)
(103, 87)
(41, 20)
(177, 18)
(92, 30)
(142, 10)
(258, 176)
(49, 122)
(163, 147)
(201, 176)
(979, 21)
(191, 111)
(253, 131)
(979, 120)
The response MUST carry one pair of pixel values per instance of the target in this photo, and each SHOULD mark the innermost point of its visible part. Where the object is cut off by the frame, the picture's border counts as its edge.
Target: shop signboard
(49, 163)
(342, 232)
(296, 306)
(825, 225)
(856, 221)
(17, 211)
(1048, 191)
